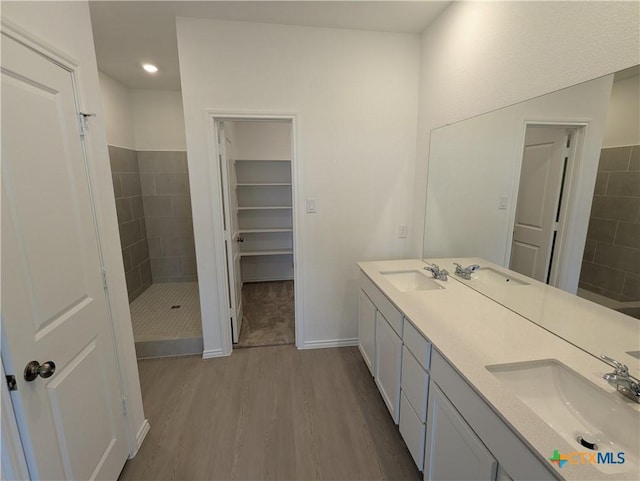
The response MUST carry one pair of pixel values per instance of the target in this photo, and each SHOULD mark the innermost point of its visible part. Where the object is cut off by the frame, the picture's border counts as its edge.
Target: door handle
(34, 369)
(239, 239)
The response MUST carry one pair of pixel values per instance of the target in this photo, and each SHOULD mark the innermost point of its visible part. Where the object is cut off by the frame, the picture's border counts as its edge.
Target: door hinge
(123, 401)
(104, 280)
(82, 119)
(12, 384)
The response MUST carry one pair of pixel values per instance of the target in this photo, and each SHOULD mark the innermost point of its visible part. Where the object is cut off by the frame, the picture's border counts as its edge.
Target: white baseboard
(210, 353)
(142, 434)
(330, 343)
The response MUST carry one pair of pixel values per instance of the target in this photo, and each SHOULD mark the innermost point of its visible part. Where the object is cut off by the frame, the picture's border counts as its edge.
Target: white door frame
(565, 241)
(103, 208)
(216, 194)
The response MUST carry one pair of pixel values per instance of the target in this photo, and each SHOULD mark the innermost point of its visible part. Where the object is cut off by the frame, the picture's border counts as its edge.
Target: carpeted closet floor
(268, 314)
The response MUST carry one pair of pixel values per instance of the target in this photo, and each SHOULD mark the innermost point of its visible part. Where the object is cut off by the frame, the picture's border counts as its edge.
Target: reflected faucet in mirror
(465, 272)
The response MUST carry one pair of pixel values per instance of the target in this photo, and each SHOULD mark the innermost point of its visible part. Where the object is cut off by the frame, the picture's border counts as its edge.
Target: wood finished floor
(267, 413)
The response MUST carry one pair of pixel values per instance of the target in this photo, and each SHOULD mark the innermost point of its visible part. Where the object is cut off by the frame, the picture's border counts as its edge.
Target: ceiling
(129, 33)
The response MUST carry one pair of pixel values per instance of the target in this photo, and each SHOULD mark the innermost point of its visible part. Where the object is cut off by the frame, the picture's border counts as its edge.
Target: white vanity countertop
(578, 320)
(472, 332)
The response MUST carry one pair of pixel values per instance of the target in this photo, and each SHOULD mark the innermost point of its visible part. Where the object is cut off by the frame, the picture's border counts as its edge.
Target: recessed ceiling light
(150, 68)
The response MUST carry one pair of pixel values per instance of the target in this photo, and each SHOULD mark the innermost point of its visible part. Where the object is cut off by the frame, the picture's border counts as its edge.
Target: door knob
(34, 369)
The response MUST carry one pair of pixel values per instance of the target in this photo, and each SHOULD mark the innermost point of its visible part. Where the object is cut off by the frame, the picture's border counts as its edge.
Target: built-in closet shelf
(275, 184)
(259, 160)
(266, 253)
(263, 231)
(266, 207)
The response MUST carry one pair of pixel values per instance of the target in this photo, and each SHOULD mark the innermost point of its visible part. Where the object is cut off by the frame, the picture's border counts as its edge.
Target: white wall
(623, 117)
(262, 140)
(158, 119)
(142, 119)
(355, 97)
(67, 27)
(474, 162)
(480, 56)
(118, 113)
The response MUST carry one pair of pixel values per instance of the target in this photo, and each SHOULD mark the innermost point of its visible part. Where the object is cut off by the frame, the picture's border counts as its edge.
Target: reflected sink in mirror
(575, 407)
(411, 281)
(490, 276)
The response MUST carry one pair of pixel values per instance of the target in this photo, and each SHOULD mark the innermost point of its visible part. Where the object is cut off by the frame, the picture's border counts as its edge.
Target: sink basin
(413, 280)
(488, 275)
(575, 407)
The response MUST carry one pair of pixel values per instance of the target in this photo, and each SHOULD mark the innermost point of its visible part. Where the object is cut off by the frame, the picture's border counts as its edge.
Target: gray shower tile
(155, 247)
(168, 162)
(137, 208)
(139, 252)
(602, 276)
(165, 267)
(615, 208)
(147, 184)
(157, 205)
(181, 205)
(117, 185)
(601, 183)
(130, 233)
(172, 183)
(123, 210)
(187, 266)
(169, 227)
(146, 277)
(133, 281)
(601, 230)
(130, 184)
(123, 160)
(624, 184)
(618, 257)
(628, 235)
(126, 259)
(589, 250)
(634, 161)
(614, 159)
(178, 247)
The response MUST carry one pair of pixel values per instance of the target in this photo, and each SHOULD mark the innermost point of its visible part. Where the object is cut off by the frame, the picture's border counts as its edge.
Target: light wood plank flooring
(267, 413)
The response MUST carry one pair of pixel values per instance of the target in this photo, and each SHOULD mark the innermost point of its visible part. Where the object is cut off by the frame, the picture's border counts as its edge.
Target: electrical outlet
(403, 231)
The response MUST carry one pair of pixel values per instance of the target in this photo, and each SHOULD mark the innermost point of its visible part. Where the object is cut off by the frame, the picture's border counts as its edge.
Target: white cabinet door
(367, 330)
(453, 452)
(388, 362)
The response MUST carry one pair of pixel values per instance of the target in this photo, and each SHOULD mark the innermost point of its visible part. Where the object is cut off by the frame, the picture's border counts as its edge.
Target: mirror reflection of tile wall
(611, 262)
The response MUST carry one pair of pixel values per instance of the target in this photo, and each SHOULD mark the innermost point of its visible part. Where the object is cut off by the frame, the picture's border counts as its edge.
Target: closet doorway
(255, 159)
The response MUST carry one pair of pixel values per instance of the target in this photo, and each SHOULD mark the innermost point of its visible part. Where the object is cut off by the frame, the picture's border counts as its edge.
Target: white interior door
(54, 308)
(232, 235)
(543, 163)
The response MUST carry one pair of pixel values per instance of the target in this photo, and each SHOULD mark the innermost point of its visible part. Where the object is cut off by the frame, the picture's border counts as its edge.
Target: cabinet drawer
(412, 431)
(417, 344)
(384, 305)
(415, 383)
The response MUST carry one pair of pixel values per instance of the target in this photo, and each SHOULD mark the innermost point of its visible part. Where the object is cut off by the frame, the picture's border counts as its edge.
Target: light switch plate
(311, 205)
(503, 201)
(403, 231)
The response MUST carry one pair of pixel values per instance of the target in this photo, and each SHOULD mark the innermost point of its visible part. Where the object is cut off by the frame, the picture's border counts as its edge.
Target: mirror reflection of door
(546, 154)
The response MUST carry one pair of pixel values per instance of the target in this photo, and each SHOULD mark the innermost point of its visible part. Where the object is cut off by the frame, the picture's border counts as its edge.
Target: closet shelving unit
(264, 210)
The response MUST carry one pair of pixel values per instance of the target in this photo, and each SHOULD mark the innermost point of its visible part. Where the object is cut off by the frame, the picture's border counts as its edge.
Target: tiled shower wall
(611, 261)
(129, 207)
(167, 209)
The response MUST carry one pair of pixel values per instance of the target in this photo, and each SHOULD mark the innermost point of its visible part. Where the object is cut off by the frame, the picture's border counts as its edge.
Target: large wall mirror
(549, 188)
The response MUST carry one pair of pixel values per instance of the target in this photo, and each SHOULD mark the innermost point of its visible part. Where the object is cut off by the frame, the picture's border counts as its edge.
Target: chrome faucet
(621, 380)
(465, 272)
(440, 274)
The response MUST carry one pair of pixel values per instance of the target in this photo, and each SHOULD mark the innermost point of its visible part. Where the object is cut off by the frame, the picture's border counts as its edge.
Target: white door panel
(543, 162)
(54, 306)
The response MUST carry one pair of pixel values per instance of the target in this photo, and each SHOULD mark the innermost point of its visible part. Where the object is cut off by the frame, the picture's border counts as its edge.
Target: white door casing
(544, 160)
(54, 305)
(231, 234)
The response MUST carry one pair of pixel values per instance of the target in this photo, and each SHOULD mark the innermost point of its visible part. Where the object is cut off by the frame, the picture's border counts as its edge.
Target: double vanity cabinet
(449, 427)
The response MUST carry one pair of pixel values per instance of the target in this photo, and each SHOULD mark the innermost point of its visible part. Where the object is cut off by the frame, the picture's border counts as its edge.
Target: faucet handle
(620, 368)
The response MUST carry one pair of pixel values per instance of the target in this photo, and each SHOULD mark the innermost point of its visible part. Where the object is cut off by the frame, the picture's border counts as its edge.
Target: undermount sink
(488, 275)
(412, 280)
(575, 407)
